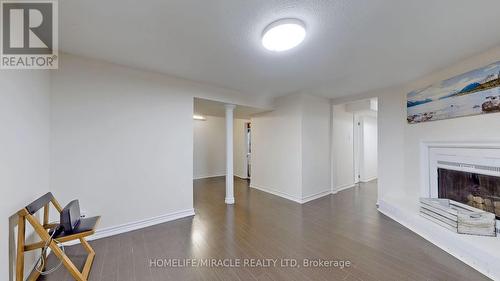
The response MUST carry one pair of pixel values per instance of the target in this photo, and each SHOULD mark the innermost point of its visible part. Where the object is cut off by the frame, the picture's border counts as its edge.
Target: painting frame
(471, 93)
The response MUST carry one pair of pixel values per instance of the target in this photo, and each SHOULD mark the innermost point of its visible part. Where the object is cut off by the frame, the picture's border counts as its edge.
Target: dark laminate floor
(342, 226)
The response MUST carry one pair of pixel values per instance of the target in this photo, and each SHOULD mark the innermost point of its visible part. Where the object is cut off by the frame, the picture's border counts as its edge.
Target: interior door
(249, 149)
(357, 138)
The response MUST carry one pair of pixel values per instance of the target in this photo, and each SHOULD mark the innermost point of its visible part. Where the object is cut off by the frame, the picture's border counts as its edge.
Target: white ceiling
(352, 46)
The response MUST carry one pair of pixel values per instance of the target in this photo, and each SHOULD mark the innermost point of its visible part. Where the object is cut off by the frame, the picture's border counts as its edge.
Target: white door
(357, 139)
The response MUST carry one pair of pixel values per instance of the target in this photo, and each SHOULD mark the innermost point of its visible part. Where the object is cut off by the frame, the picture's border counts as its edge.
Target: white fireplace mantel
(474, 157)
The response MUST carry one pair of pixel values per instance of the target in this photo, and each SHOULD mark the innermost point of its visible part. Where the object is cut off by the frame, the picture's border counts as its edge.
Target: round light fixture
(283, 34)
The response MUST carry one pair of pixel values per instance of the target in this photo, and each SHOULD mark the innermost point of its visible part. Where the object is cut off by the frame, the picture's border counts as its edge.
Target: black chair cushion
(84, 224)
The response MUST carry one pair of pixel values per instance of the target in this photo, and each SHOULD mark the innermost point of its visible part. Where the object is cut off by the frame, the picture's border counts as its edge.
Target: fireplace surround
(465, 165)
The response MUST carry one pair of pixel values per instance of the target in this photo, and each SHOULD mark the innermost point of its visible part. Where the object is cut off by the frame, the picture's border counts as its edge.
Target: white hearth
(481, 253)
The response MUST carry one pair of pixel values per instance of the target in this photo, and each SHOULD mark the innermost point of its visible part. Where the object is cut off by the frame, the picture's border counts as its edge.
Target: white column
(229, 154)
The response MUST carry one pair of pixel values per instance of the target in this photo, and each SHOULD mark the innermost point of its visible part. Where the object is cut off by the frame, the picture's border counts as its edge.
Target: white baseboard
(207, 177)
(316, 196)
(278, 193)
(342, 187)
(127, 227)
(369, 179)
(241, 177)
(291, 197)
(462, 247)
(217, 176)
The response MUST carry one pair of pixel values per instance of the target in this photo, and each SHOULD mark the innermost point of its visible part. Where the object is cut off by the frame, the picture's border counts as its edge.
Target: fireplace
(455, 169)
(466, 172)
(477, 190)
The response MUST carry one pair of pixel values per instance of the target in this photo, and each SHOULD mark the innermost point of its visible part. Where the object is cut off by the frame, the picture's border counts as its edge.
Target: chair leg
(90, 258)
(70, 266)
(20, 248)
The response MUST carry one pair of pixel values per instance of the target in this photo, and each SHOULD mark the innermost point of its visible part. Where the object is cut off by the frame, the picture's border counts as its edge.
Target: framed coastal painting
(472, 93)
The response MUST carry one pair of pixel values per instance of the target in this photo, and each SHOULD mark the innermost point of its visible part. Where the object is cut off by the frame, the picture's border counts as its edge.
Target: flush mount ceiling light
(283, 34)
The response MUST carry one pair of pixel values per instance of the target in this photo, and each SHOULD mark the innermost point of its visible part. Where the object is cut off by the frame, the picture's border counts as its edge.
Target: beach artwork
(472, 93)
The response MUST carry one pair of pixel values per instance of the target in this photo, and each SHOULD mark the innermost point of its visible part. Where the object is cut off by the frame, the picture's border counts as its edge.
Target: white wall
(210, 147)
(368, 153)
(315, 146)
(343, 147)
(391, 143)
(277, 149)
(24, 152)
(122, 141)
(291, 148)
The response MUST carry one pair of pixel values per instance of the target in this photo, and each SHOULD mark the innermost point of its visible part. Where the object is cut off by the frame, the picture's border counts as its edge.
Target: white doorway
(248, 142)
(354, 143)
(358, 145)
(366, 152)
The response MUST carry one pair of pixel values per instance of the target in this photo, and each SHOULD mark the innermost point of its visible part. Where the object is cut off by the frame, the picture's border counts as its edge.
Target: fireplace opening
(476, 190)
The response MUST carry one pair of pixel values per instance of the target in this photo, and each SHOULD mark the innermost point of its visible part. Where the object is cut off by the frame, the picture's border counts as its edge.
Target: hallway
(345, 226)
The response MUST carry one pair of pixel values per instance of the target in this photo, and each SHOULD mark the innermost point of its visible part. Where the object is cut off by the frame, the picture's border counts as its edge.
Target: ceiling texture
(351, 47)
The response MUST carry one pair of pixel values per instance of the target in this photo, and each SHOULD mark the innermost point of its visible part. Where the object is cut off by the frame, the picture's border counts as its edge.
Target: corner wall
(24, 153)
(277, 149)
(316, 140)
(291, 148)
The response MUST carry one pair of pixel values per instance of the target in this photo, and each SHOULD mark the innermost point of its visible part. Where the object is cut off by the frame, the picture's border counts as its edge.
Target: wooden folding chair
(27, 214)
